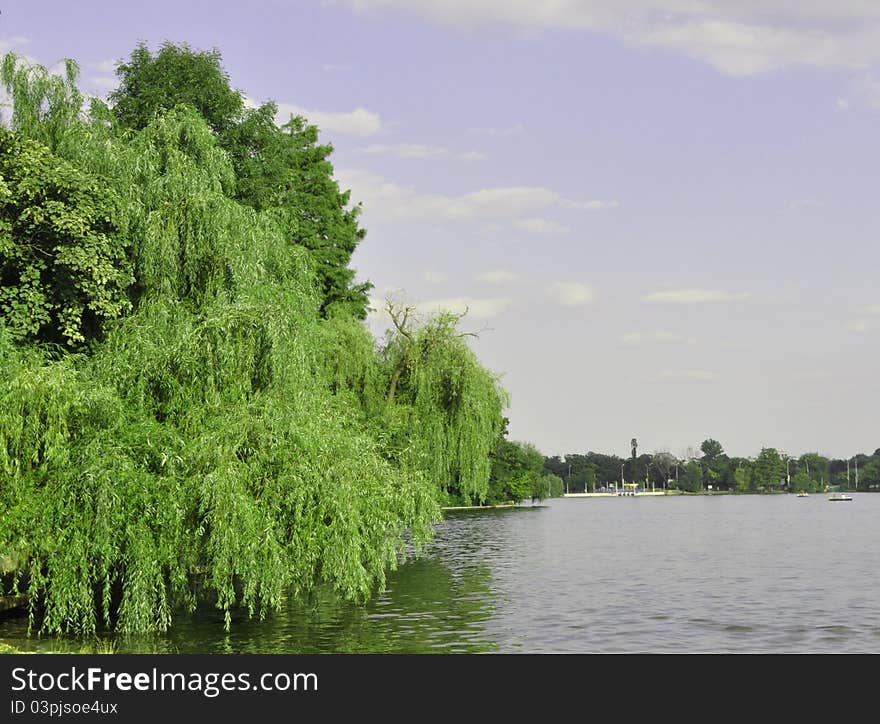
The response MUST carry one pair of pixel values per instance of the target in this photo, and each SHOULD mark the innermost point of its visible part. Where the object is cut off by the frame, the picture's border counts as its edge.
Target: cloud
(514, 130)
(537, 225)
(655, 338)
(406, 150)
(476, 308)
(14, 43)
(741, 38)
(105, 66)
(694, 296)
(858, 325)
(872, 309)
(498, 276)
(419, 151)
(105, 83)
(472, 156)
(571, 294)
(388, 201)
(700, 375)
(359, 122)
(593, 205)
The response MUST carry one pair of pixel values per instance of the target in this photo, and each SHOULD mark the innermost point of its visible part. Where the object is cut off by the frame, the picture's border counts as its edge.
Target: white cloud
(406, 150)
(858, 325)
(498, 276)
(594, 205)
(419, 151)
(359, 122)
(746, 37)
(15, 43)
(391, 202)
(472, 156)
(105, 83)
(655, 338)
(571, 294)
(538, 225)
(694, 296)
(514, 130)
(105, 66)
(476, 307)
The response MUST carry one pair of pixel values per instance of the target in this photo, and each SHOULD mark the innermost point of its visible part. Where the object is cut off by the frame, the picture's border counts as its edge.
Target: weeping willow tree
(435, 384)
(219, 438)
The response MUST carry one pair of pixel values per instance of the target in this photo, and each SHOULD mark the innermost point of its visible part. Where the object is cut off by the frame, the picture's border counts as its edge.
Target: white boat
(803, 494)
(839, 496)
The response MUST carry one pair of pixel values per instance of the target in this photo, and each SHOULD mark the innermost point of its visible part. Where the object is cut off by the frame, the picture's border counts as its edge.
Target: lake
(677, 574)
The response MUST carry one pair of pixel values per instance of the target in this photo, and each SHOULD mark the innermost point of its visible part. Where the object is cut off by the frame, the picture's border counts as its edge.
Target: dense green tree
(517, 473)
(220, 438)
(742, 480)
(711, 450)
(440, 389)
(801, 482)
(64, 268)
(769, 470)
(283, 170)
(664, 463)
(691, 478)
(869, 475)
(551, 486)
(150, 85)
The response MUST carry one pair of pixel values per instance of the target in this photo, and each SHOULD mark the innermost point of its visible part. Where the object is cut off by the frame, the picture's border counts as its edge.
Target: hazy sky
(662, 215)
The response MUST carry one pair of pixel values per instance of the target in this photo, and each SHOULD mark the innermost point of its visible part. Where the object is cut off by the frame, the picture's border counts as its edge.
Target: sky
(660, 215)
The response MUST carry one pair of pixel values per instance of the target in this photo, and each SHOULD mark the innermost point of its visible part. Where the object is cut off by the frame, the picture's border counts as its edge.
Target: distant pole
(847, 472)
(856, 461)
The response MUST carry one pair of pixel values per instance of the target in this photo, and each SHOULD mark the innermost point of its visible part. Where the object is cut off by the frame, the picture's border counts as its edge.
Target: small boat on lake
(839, 496)
(803, 494)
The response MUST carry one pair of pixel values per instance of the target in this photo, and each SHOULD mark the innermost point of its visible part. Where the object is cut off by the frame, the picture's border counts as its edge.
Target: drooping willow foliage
(455, 402)
(215, 436)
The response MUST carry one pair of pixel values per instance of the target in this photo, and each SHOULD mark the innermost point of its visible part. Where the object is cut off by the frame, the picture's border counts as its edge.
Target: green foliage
(450, 403)
(151, 85)
(220, 439)
(45, 105)
(742, 480)
(711, 449)
(691, 478)
(800, 481)
(284, 170)
(769, 469)
(518, 473)
(64, 269)
(552, 485)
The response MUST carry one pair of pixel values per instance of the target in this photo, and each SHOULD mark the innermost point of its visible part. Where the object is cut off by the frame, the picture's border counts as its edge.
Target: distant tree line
(710, 468)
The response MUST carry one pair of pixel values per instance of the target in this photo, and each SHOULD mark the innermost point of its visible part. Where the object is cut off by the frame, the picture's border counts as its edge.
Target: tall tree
(284, 171)
(769, 469)
(446, 400)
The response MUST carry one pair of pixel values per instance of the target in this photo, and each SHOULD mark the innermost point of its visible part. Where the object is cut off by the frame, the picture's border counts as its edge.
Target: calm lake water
(700, 574)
